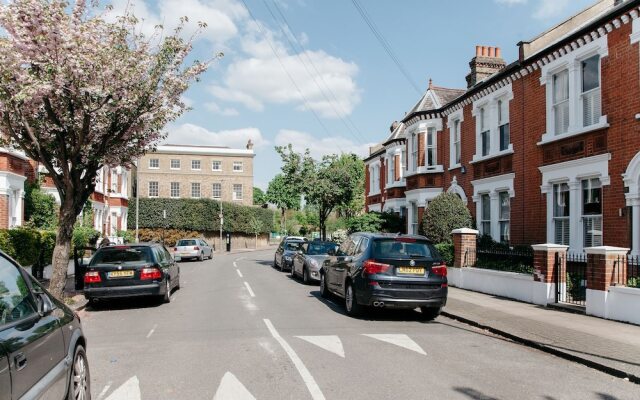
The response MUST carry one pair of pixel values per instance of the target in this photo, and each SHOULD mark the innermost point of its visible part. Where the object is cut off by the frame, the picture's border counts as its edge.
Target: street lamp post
(221, 215)
(137, 199)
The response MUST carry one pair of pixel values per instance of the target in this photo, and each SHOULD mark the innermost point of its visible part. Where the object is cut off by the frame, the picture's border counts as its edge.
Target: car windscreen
(120, 255)
(187, 243)
(293, 246)
(320, 248)
(401, 248)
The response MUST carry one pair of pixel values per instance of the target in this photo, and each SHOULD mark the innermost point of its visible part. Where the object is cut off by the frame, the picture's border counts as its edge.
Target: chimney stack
(488, 61)
(249, 145)
(393, 126)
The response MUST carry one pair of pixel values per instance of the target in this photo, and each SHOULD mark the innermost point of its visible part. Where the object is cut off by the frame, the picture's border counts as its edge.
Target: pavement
(610, 346)
(240, 329)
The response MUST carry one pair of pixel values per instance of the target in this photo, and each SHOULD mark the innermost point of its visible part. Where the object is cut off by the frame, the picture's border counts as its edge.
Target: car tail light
(92, 277)
(175, 249)
(196, 248)
(150, 273)
(373, 267)
(439, 268)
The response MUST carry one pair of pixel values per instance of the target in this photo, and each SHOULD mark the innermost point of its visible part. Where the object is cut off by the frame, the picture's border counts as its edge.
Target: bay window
(590, 95)
(592, 212)
(485, 218)
(561, 213)
(414, 152)
(561, 102)
(431, 147)
(505, 216)
(456, 141)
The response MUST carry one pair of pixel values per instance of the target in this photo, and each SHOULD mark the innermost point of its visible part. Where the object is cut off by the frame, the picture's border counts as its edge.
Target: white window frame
(502, 221)
(374, 176)
(596, 92)
(485, 220)
(453, 118)
(503, 120)
(219, 165)
(492, 186)
(565, 221)
(235, 164)
(573, 172)
(213, 190)
(391, 164)
(235, 193)
(196, 185)
(172, 188)
(154, 161)
(199, 165)
(491, 123)
(413, 148)
(596, 219)
(171, 164)
(157, 189)
(433, 135)
(571, 61)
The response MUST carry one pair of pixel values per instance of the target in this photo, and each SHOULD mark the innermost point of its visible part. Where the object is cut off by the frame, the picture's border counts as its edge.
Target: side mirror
(45, 306)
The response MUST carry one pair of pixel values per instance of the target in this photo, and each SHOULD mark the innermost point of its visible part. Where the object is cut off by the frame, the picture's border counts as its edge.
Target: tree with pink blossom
(78, 93)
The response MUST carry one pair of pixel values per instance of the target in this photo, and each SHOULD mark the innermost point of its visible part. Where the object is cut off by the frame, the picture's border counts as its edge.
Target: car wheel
(178, 284)
(79, 382)
(201, 258)
(275, 264)
(167, 295)
(351, 304)
(211, 255)
(430, 313)
(305, 276)
(324, 291)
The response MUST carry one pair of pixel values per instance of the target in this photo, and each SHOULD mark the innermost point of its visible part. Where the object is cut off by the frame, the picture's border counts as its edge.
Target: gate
(571, 279)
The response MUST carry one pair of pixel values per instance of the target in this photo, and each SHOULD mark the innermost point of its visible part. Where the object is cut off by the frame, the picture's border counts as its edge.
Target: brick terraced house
(545, 149)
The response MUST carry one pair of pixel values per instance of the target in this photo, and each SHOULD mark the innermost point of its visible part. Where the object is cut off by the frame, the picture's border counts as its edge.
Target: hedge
(198, 215)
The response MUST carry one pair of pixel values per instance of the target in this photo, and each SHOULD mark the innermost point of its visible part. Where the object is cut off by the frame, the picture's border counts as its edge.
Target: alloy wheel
(80, 377)
(349, 298)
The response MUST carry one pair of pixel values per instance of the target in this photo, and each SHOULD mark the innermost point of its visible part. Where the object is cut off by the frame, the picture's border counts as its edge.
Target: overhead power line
(305, 60)
(385, 44)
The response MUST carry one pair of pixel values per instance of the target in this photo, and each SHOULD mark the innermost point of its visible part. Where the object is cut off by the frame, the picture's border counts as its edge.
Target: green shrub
(26, 243)
(199, 215)
(171, 236)
(84, 236)
(446, 251)
(40, 208)
(47, 244)
(369, 222)
(6, 244)
(445, 213)
(127, 236)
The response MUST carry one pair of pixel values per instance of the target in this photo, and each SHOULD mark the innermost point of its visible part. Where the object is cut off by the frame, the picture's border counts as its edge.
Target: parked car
(309, 259)
(387, 271)
(131, 270)
(193, 249)
(42, 346)
(283, 259)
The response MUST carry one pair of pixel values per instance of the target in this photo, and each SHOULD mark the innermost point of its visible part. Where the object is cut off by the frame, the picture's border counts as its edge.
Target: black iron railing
(627, 271)
(571, 279)
(509, 260)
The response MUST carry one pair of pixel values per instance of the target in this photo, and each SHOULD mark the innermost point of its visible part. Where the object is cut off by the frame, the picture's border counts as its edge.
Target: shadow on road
(474, 394)
(124, 304)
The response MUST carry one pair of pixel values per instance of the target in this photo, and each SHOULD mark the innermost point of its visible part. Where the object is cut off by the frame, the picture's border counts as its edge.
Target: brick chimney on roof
(488, 61)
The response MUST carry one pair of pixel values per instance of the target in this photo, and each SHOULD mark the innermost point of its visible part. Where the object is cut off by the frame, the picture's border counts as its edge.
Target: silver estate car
(308, 261)
(193, 248)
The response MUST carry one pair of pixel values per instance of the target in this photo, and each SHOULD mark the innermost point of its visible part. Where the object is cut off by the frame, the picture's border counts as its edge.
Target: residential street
(240, 329)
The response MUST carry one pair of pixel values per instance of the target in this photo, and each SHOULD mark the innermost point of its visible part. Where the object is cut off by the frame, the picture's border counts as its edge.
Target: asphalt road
(239, 329)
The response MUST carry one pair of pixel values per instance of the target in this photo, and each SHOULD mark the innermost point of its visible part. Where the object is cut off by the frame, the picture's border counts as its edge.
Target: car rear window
(118, 255)
(401, 248)
(320, 248)
(187, 243)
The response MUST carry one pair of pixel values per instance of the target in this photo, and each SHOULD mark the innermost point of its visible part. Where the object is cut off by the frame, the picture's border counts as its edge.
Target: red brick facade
(528, 114)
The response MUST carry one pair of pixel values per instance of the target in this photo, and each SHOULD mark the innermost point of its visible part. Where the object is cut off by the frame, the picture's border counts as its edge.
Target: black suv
(42, 347)
(144, 269)
(288, 248)
(387, 271)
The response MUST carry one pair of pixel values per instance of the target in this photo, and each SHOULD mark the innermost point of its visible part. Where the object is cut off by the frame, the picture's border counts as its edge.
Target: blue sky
(338, 90)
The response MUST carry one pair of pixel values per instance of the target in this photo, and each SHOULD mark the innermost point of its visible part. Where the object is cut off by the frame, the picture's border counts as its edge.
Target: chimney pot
(492, 52)
(498, 53)
(478, 51)
(484, 51)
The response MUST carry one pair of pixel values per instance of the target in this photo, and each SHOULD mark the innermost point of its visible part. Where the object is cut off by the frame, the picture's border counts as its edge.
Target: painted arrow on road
(330, 343)
(232, 389)
(399, 340)
(130, 390)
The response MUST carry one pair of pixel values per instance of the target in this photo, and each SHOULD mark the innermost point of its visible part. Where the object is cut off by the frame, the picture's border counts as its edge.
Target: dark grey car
(283, 259)
(42, 346)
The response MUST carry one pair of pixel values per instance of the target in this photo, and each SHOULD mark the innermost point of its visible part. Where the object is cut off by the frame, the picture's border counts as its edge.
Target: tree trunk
(60, 259)
(256, 240)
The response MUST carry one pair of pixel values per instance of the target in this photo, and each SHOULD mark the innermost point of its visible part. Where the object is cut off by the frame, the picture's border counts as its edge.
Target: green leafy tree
(445, 213)
(369, 222)
(259, 197)
(356, 205)
(40, 209)
(256, 226)
(283, 194)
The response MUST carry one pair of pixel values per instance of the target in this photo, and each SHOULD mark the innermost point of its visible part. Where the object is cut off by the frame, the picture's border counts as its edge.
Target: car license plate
(120, 274)
(411, 270)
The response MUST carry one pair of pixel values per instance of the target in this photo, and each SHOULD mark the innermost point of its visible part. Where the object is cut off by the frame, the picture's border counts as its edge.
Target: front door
(34, 344)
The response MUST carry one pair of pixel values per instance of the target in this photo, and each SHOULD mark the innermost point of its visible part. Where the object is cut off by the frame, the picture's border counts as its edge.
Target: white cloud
(510, 2)
(219, 15)
(550, 8)
(323, 83)
(196, 135)
(216, 109)
(320, 146)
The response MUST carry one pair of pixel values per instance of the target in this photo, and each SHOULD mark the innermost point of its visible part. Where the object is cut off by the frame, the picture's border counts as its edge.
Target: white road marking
(240, 258)
(151, 331)
(399, 340)
(239, 273)
(105, 390)
(232, 389)
(235, 265)
(130, 390)
(330, 343)
(249, 289)
(312, 386)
